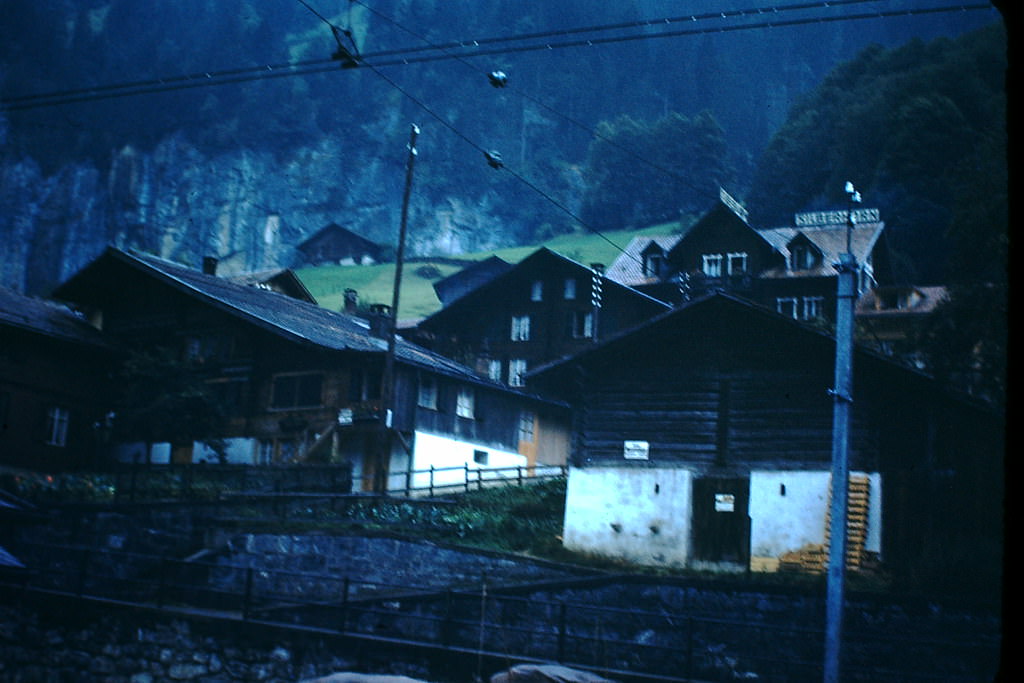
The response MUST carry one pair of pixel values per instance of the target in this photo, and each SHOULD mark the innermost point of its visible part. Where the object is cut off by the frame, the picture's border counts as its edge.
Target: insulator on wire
(494, 159)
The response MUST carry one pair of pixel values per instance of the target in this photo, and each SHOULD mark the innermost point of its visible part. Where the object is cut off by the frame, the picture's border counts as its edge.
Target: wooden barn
(302, 383)
(703, 439)
(335, 245)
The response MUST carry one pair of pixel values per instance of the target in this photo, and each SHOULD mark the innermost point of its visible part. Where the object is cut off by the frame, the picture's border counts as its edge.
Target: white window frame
(537, 290)
(583, 324)
(465, 403)
(57, 419)
(494, 369)
(711, 265)
(740, 256)
(569, 291)
(813, 307)
(782, 302)
(520, 329)
(517, 372)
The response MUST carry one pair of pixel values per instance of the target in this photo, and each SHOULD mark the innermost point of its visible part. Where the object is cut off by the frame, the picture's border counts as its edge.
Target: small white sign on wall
(725, 502)
(635, 450)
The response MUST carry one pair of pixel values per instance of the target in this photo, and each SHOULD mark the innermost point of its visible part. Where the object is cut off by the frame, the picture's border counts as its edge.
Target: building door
(721, 522)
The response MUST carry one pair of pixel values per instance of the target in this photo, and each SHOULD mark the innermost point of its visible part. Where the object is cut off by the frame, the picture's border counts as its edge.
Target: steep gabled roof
(280, 315)
(830, 240)
(628, 267)
(47, 318)
(335, 229)
(497, 286)
(474, 275)
(283, 280)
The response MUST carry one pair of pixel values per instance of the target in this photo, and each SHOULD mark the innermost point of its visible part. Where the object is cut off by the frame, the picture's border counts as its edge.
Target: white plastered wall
(788, 511)
(443, 452)
(639, 514)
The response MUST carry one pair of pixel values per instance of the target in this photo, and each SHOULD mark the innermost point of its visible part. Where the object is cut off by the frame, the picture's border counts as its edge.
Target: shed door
(721, 524)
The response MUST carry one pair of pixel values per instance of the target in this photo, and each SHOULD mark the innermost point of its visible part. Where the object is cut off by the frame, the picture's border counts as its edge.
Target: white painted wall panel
(640, 514)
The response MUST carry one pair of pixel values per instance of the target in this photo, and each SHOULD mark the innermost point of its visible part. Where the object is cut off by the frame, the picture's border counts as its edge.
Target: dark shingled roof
(46, 318)
(284, 316)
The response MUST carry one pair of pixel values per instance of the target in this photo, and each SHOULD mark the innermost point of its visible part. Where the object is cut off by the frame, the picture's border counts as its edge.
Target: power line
(381, 58)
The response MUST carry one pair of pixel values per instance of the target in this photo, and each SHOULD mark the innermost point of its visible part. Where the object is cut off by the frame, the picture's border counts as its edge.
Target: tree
(163, 398)
(641, 172)
(907, 126)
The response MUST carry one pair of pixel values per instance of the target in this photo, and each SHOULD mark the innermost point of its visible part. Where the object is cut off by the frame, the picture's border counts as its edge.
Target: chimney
(351, 302)
(380, 320)
(210, 265)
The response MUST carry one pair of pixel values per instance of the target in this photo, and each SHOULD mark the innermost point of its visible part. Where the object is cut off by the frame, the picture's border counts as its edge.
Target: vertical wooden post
(344, 604)
(431, 481)
(561, 632)
(247, 598)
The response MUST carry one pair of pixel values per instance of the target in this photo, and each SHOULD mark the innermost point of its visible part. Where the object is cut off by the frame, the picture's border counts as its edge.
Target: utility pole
(842, 395)
(388, 381)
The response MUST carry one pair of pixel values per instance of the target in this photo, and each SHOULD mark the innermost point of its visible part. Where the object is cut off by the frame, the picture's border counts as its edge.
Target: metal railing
(491, 621)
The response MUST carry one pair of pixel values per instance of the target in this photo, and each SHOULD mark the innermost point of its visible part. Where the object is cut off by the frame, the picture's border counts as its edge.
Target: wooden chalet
(703, 439)
(539, 310)
(788, 269)
(54, 376)
(333, 244)
(303, 383)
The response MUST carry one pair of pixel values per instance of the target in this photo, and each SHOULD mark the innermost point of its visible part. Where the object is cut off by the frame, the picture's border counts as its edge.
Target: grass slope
(375, 284)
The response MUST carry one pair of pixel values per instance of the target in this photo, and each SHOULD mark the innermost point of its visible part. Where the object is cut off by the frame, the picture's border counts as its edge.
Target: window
(57, 426)
(428, 393)
(229, 391)
(582, 324)
(464, 403)
(363, 385)
(786, 305)
(712, 265)
(801, 257)
(813, 307)
(736, 263)
(297, 391)
(520, 328)
(653, 264)
(517, 372)
(526, 419)
(494, 369)
(570, 288)
(537, 291)
(480, 457)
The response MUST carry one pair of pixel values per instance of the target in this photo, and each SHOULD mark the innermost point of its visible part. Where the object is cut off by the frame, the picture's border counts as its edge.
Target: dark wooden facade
(724, 387)
(54, 378)
(291, 373)
(540, 310)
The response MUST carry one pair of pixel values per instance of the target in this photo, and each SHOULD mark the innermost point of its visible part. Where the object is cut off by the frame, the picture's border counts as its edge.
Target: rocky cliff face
(249, 208)
(246, 171)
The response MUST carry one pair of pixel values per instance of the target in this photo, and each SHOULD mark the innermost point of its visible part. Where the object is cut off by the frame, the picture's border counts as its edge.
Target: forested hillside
(617, 127)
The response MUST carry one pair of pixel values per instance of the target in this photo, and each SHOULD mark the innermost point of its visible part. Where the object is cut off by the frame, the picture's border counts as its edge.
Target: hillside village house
(787, 269)
(704, 440)
(304, 383)
(541, 309)
(333, 244)
(54, 373)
